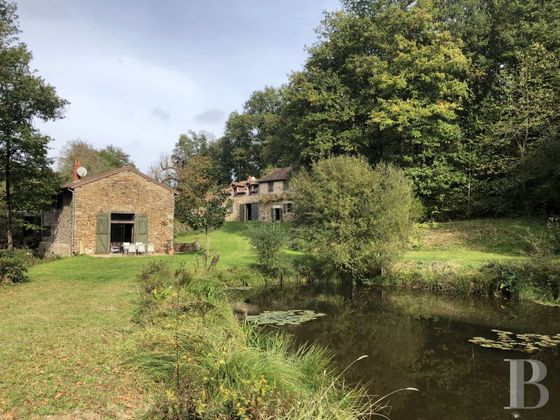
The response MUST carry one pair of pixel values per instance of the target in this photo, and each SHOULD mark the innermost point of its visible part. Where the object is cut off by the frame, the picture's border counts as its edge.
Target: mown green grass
(230, 242)
(64, 342)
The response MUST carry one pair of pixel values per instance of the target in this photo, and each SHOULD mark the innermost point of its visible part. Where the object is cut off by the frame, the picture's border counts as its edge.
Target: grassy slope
(472, 242)
(64, 337)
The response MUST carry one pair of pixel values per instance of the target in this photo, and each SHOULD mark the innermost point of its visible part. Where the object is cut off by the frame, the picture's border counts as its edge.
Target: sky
(138, 73)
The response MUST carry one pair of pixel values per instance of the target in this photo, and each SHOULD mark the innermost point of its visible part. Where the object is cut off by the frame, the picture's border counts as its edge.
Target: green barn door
(242, 212)
(102, 233)
(141, 228)
(255, 212)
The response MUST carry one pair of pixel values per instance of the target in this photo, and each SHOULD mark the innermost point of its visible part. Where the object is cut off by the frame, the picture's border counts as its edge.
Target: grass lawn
(65, 337)
(473, 242)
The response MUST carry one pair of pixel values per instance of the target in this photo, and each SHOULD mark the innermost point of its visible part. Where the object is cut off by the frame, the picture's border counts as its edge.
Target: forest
(463, 95)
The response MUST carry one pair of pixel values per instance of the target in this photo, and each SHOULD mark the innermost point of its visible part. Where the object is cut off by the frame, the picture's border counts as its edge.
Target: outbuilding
(97, 214)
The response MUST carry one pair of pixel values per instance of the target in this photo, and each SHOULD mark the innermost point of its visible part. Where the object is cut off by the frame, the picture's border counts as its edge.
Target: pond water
(420, 340)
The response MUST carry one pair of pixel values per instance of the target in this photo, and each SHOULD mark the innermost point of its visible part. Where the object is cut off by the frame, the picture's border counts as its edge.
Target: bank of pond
(299, 350)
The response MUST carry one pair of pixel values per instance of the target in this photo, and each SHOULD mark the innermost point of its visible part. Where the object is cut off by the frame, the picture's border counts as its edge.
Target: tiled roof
(278, 174)
(102, 175)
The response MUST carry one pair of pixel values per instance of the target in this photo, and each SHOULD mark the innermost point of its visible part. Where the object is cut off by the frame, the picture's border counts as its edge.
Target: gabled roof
(278, 174)
(106, 174)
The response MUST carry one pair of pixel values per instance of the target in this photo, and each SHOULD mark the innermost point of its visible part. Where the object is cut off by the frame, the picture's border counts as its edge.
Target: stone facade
(124, 191)
(272, 196)
(238, 201)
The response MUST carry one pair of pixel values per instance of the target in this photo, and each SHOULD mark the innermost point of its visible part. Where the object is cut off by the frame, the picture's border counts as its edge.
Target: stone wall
(265, 209)
(123, 192)
(237, 201)
(57, 228)
(277, 188)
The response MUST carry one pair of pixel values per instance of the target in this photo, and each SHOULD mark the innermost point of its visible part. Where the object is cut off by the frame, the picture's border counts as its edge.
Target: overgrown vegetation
(353, 217)
(209, 366)
(14, 266)
(536, 280)
(267, 240)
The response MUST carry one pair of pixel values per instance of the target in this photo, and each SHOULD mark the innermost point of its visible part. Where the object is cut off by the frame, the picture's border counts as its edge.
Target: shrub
(355, 217)
(13, 267)
(267, 240)
(553, 229)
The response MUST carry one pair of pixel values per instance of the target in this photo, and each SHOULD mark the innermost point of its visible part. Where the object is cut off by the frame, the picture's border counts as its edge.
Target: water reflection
(420, 340)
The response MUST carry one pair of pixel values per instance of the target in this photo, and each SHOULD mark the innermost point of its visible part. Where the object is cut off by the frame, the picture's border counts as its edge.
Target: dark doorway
(277, 214)
(122, 230)
(251, 212)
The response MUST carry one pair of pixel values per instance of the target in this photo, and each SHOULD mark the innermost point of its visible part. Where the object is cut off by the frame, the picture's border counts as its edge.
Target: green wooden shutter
(102, 233)
(242, 212)
(141, 228)
(255, 212)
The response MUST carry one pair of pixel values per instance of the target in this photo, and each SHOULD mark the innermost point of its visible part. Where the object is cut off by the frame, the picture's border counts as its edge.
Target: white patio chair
(141, 248)
(132, 249)
(151, 249)
(125, 247)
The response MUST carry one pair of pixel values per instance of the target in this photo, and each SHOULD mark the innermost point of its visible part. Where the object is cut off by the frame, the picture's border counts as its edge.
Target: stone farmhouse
(266, 199)
(98, 213)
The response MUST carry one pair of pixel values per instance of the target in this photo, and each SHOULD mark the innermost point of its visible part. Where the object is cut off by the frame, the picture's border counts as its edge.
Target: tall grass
(208, 365)
(537, 279)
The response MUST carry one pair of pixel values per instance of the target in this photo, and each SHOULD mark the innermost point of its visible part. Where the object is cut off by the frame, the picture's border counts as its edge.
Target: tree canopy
(94, 160)
(25, 97)
(463, 95)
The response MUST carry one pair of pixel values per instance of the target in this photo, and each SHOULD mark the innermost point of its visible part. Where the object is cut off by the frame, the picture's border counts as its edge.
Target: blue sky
(140, 72)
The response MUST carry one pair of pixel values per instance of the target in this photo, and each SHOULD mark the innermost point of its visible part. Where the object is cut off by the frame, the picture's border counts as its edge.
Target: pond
(421, 340)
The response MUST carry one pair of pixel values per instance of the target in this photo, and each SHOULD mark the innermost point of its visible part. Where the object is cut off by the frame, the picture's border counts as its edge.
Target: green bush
(353, 216)
(14, 266)
(267, 240)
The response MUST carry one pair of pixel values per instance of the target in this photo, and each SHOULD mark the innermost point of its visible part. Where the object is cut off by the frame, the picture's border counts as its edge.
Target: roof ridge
(111, 172)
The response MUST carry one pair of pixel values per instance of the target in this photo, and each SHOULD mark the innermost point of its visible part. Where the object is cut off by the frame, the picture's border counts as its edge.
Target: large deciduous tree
(24, 98)
(94, 160)
(386, 82)
(247, 144)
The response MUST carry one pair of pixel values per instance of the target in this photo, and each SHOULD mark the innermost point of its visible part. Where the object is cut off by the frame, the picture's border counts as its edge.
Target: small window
(289, 207)
(270, 187)
(285, 185)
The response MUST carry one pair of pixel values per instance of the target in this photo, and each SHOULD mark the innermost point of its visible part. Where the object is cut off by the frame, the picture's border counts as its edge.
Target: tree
(385, 81)
(495, 36)
(352, 216)
(94, 160)
(24, 97)
(523, 115)
(201, 202)
(251, 136)
(188, 146)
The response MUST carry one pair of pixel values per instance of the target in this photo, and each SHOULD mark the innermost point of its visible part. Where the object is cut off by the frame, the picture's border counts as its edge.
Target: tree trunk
(207, 250)
(7, 169)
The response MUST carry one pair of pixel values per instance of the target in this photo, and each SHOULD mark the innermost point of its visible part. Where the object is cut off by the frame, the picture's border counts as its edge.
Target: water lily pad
(290, 317)
(525, 343)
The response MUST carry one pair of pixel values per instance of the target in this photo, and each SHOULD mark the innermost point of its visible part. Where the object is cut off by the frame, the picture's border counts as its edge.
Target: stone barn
(99, 213)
